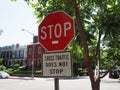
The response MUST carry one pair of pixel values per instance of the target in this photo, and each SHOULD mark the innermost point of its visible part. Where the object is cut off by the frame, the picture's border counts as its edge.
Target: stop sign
(56, 31)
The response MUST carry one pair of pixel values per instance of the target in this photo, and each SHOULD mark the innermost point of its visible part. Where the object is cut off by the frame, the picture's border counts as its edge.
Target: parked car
(114, 73)
(4, 75)
(102, 71)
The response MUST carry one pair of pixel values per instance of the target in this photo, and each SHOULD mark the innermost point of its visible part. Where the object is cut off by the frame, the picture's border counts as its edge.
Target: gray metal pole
(32, 75)
(56, 82)
(32, 62)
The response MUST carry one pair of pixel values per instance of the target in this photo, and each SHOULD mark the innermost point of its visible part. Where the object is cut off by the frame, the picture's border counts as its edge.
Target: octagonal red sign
(56, 31)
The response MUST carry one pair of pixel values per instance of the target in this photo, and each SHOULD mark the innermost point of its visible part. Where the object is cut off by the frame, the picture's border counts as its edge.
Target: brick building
(38, 52)
(23, 55)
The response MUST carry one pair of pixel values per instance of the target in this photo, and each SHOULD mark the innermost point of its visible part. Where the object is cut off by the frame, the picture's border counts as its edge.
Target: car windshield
(1, 72)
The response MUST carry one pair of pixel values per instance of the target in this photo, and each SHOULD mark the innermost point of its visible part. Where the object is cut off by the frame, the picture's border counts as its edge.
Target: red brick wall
(36, 55)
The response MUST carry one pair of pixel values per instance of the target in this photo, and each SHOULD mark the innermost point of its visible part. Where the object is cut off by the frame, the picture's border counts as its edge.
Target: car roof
(2, 72)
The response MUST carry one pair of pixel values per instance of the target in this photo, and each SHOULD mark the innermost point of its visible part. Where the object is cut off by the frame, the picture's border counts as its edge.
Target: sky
(15, 16)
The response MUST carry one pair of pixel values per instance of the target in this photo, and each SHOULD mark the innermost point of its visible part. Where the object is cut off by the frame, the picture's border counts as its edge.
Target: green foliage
(43, 7)
(16, 66)
(1, 61)
(38, 71)
(97, 17)
(111, 39)
(27, 71)
(2, 68)
(77, 54)
(105, 20)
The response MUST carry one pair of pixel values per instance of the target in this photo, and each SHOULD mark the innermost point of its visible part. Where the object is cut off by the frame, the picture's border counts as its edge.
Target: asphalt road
(82, 83)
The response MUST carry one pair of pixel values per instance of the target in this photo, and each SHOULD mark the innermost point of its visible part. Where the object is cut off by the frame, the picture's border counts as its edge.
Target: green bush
(10, 70)
(1, 61)
(16, 66)
(2, 68)
(17, 69)
(38, 71)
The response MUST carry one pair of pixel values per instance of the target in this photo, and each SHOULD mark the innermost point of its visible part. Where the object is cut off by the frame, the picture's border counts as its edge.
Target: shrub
(38, 71)
(2, 68)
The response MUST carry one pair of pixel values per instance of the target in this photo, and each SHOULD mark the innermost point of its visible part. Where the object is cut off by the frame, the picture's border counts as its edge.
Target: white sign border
(47, 76)
(69, 41)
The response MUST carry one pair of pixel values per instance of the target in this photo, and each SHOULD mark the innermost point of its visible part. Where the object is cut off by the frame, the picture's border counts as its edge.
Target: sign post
(55, 32)
(57, 64)
(56, 82)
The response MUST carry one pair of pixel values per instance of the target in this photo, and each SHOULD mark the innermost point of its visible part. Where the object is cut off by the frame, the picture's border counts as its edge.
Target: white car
(4, 75)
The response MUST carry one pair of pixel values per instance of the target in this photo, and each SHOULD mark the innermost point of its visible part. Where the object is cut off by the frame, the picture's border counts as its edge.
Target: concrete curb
(22, 78)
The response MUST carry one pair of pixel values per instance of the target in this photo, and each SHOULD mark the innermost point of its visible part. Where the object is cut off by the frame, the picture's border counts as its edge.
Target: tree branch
(110, 69)
(98, 45)
(79, 1)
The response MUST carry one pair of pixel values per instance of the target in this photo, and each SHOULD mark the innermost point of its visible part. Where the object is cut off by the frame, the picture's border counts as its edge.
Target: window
(13, 54)
(30, 51)
(17, 54)
(0, 54)
(4, 55)
(29, 62)
(7, 55)
(39, 50)
(39, 63)
(21, 53)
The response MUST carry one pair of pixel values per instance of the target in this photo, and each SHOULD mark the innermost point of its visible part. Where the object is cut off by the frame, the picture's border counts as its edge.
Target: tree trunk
(95, 84)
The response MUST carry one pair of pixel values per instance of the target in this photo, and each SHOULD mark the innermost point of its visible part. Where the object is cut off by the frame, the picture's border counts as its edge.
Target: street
(82, 83)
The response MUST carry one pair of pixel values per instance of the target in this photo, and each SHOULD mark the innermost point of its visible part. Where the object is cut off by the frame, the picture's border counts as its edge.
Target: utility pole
(32, 63)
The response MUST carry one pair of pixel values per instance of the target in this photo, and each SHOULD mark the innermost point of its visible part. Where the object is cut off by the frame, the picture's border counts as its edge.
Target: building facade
(19, 55)
(36, 57)
(23, 55)
(12, 55)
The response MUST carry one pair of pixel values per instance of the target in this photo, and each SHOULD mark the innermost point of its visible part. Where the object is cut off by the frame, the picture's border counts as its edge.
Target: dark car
(114, 73)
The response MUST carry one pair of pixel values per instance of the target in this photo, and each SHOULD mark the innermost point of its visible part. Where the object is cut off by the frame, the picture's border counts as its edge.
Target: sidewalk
(22, 78)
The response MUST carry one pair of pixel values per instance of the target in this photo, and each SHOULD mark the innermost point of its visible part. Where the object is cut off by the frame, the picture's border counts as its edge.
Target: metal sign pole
(56, 83)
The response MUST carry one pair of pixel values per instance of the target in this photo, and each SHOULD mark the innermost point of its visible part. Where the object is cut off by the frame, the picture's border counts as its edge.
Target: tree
(98, 19)
(93, 19)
